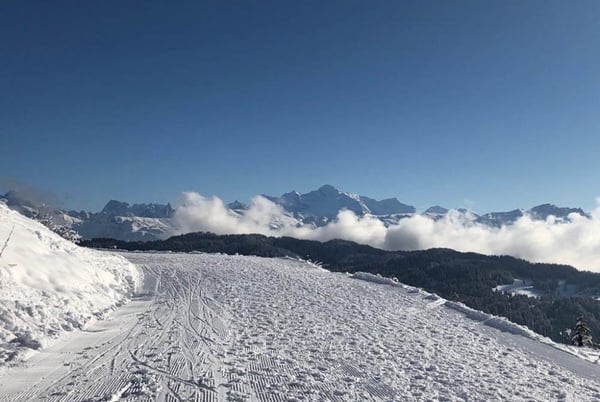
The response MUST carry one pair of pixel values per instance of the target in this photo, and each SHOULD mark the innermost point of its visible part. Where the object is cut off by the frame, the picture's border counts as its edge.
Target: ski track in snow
(231, 328)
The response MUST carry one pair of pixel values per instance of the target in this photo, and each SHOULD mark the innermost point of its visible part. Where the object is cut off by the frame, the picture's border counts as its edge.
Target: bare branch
(7, 240)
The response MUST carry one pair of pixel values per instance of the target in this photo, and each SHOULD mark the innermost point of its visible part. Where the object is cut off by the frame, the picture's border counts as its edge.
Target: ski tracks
(231, 328)
(165, 351)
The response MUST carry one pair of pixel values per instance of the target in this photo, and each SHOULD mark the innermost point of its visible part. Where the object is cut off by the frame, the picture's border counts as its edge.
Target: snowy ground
(233, 328)
(519, 287)
(48, 285)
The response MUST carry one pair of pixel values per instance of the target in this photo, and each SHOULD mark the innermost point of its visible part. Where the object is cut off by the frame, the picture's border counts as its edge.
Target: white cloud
(575, 243)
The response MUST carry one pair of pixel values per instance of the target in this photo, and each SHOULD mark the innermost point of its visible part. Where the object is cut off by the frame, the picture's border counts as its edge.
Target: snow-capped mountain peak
(436, 209)
(543, 211)
(327, 201)
(118, 208)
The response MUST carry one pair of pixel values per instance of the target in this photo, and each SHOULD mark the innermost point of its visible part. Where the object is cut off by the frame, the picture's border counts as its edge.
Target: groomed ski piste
(209, 327)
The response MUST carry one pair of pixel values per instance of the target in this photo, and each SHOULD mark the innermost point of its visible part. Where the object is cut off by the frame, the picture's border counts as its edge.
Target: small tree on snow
(582, 336)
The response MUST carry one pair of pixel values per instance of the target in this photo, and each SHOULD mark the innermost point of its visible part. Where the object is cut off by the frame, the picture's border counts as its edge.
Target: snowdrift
(49, 285)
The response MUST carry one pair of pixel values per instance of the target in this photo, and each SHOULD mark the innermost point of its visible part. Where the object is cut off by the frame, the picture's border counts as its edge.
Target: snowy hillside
(234, 328)
(49, 285)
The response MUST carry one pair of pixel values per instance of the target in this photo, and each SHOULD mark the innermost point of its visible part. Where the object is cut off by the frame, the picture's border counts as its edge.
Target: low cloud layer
(575, 243)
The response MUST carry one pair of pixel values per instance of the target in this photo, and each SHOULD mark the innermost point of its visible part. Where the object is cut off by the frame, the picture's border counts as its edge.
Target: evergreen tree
(582, 335)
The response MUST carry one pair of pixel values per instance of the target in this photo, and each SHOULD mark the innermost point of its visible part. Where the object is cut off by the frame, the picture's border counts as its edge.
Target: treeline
(466, 277)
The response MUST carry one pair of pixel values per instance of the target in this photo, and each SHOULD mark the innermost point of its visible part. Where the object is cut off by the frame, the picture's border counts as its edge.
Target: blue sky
(488, 104)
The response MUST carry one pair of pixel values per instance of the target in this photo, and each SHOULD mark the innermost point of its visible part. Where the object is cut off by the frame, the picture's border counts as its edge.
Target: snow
(519, 287)
(375, 278)
(500, 323)
(49, 285)
(233, 328)
(210, 327)
(133, 228)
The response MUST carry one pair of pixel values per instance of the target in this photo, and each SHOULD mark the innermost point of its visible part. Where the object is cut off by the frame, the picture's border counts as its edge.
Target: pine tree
(582, 336)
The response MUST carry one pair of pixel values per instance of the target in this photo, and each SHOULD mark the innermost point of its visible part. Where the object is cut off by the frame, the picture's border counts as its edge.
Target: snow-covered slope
(49, 285)
(234, 328)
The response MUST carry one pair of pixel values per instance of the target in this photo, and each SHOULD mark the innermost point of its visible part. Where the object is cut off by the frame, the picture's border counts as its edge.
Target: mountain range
(122, 221)
(118, 220)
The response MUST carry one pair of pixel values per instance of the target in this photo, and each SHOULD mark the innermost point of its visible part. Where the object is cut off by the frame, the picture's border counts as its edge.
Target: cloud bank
(574, 243)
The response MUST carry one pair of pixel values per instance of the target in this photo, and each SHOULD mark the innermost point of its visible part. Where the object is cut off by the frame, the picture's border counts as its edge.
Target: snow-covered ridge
(49, 285)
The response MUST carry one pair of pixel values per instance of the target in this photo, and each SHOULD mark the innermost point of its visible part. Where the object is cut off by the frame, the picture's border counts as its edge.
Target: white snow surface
(233, 328)
(519, 287)
(49, 285)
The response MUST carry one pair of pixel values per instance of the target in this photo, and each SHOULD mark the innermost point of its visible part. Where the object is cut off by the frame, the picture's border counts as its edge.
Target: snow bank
(49, 285)
(493, 321)
(505, 325)
(500, 323)
(365, 276)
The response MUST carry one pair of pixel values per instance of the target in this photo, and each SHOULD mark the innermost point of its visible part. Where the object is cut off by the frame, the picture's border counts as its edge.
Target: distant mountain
(497, 219)
(325, 203)
(237, 206)
(117, 219)
(131, 228)
(117, 208)
(134, 222)
(540, 212)
(545, 210)
(389, 206)
(436, 210)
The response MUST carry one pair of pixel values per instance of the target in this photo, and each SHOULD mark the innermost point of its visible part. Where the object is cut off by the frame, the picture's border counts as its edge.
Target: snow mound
(365, 276)
(49, 285)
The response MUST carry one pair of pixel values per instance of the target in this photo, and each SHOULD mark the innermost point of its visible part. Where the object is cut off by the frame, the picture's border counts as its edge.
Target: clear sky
(492, 105)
